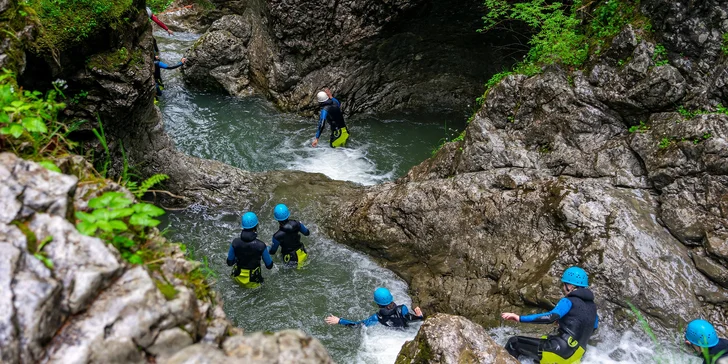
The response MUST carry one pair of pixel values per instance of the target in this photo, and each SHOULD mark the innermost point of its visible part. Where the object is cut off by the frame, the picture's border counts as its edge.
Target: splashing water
(336, 281)
(251, 134)
(615, 348)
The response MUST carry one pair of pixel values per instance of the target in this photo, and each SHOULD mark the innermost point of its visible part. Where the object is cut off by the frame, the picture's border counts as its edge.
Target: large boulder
(588, 168)
(447, 339)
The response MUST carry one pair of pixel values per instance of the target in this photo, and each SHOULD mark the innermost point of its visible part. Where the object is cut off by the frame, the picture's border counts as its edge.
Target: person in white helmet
(331, 113)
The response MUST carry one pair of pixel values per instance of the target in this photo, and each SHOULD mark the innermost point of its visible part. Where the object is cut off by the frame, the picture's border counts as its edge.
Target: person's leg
(560, 350)
(527, 346)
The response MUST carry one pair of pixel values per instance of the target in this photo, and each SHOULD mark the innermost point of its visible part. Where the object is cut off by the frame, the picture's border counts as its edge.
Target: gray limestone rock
(447, 339)
(170, 342)
(287, 346)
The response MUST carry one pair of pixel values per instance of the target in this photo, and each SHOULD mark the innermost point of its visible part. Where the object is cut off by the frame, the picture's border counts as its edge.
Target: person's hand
(508, 316)
(328, 93)
(183, 60)
(418, 312)
(332, 320)
(170, 32)
(315, 143)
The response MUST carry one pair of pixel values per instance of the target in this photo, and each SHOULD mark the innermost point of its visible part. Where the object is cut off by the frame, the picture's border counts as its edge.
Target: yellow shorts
(249, 279)
(300, 254)
(339, 137)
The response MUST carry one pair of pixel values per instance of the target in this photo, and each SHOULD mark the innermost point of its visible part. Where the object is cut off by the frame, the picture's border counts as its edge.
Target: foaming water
(336, 281)
(616, 348)
(251, 134)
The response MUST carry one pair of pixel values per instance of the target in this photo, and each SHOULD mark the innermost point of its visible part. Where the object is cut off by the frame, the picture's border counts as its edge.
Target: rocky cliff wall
(88, 305)
(376, 55)
(590, 167)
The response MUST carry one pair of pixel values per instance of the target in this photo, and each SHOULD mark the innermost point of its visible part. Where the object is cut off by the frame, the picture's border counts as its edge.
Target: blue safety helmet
(701, 333)
(575, 276)
(249, 220)
(382, 296)
(281, 212)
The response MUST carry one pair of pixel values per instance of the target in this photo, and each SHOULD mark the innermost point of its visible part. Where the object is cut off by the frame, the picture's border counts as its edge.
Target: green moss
(167, 290)
(65, 23)
(116, 59)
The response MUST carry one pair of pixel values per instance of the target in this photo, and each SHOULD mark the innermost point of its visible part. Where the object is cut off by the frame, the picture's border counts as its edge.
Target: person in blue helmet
(701, 336)
(577, 319)
(246, 252)
(390, 314)
(288, 238)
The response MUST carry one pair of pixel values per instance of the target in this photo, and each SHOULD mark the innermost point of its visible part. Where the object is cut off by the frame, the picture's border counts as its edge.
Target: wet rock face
(91, 306)
(375, 55)
(550, 176)
(447, 339)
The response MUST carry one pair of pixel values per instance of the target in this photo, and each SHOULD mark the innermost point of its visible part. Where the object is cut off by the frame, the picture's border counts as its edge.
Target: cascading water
(252, 135)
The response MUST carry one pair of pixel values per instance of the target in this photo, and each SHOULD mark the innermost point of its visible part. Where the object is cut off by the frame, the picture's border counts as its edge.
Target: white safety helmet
(322, 96)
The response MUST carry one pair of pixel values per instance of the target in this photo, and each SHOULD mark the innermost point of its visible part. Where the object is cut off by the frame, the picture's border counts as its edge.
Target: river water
(253, 135)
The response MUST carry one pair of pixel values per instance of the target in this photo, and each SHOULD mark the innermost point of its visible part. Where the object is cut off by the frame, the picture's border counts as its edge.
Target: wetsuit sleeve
(338, 103)
(561, 309)
(369, 321)
(304, 230)
(321, 124)
(596, 322)
(173, 67)
(266, 259)
(273, 249)
(411, 316)
(231, 256)
(159, 22)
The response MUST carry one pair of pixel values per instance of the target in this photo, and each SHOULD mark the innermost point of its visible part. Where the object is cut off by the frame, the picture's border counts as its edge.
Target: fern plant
(139, 190)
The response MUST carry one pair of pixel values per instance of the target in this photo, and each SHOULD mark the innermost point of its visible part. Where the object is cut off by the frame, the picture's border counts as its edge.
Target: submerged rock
(447, 339)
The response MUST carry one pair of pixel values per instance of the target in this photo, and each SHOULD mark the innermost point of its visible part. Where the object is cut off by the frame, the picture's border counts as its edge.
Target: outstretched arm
(159, 22)
(304, 230)
(369, 321)
(561, 309)
(416, 316)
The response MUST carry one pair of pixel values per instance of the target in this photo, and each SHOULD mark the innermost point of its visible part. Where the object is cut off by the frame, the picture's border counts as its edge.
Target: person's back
(288, 237)
(718, 354)
(331, 113)
(246, 252)
(579, 321)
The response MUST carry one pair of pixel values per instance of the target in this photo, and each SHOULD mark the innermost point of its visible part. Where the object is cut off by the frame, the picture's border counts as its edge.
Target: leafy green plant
(665, 142)
(660, 55)
(40, 255)
(28, 121)
(641, 128)
(119, 221)
(724, 47)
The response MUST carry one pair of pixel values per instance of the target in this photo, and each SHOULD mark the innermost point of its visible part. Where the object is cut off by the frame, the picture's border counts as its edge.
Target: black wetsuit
(398, 316)
(246, 252)
(577, 317)
(158, 65)
(718, 354)
(289, 239)
(331, 113)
